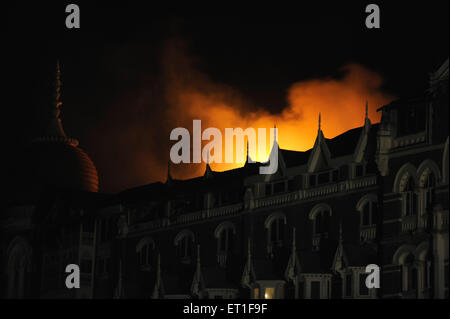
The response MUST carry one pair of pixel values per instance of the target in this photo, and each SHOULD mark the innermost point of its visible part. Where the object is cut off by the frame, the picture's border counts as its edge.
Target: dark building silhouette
(377, 194)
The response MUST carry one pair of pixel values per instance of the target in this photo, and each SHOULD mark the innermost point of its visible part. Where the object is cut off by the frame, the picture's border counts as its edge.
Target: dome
(53, 160)
(62, 166)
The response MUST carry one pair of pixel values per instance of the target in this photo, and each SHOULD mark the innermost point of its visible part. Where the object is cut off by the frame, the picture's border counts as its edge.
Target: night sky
(114, 67)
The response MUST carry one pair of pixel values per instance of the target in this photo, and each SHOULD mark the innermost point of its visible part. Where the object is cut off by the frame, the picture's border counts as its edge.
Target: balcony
(440, 220)
(317, 238)
(368, 232)
(409, 223)
(222, 258)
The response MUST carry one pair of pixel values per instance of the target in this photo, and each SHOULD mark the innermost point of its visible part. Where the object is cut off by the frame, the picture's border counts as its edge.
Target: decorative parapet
(276, 200)
(409, 140)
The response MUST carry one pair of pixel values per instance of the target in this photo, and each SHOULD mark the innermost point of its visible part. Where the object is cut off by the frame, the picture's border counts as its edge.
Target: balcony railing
(368, 233)
(409, 223)
(441, 220)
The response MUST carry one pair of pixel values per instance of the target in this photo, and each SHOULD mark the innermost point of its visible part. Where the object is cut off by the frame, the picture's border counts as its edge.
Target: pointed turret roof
(198, 282)
(293, 268)
(363, 138)
(320, 151)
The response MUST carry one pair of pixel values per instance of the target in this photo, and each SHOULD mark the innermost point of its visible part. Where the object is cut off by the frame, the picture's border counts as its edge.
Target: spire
(367, 110)
(319, 129)
(56, 120)
(119, 289)
(248, 152)
(340, 261)
(197, 283)
(367, 123)
(157, 287)
(249, 274)
(169, 178)
(58, 102)
(275, 137)
(320, 120)
(293, 267)
(53, 130)
(208, 171)
(294, 248)
(320, 156)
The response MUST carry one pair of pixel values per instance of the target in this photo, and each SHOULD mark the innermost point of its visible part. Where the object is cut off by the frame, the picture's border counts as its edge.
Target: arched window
(18, 267)
(275, 225)
(369, 214)
(320, 215)
(224, 234)
(368, 209)
(429, 175)
(411, 275)
(145, 250)
(429, 186)
(184, 242)
(415, 268)
(410, 198)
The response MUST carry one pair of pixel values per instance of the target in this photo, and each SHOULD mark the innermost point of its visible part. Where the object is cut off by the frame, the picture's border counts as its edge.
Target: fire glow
(140, 141)
(340, 101)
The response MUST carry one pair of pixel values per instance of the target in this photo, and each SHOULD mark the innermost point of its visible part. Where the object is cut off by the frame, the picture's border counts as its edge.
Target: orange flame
(139, 142)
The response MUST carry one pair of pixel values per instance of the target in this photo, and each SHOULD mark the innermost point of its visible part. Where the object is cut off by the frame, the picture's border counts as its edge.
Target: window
(268, 189)
(184, 242)
(427, 274)
(144, 256)
(145, 250)
(411, 119)
(410, 276)
(429, 191)
(335, 175)
(277, 230)
(292, 185)
(321, 222)
(315, 289)
(344, 172)
(359, 170)
(363, 290)
(369, 213)
(413, 279)
(275, 225)
(279, 187)
(410, 198)
(256, 293)
(324, 178)
(185, 247)
(320, 217)
(348, 285)
(269, 293)
(312, 180)
(226, 239)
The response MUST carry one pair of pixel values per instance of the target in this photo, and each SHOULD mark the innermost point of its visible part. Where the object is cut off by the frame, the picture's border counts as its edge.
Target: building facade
(377, 194)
